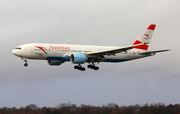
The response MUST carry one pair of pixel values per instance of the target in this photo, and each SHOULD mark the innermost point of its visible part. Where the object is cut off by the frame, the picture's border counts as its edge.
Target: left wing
(112, 51)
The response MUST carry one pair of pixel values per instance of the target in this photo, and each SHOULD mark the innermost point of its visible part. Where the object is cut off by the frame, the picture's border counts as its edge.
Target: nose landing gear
(25, 64)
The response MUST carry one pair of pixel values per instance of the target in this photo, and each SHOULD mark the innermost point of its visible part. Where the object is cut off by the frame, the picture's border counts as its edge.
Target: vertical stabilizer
(145, 38)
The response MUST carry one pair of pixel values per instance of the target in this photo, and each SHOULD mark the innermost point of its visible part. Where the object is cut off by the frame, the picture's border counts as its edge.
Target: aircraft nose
(16, 52)
(13, 52)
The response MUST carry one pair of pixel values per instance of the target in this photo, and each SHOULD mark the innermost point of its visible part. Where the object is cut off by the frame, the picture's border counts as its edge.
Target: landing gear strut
(25, 64)
(79, 67)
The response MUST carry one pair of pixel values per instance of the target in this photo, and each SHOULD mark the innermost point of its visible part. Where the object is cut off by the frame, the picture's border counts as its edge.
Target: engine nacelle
(55, 62)
(78, 58)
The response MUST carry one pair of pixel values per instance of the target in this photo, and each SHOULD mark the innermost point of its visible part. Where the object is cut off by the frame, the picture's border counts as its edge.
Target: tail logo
(147, 36)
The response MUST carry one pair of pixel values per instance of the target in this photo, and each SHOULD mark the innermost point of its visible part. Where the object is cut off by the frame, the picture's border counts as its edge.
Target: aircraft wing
(112, 51)
(149, 52)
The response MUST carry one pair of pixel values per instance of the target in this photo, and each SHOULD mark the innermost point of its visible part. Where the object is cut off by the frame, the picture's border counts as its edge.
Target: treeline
(111, 108)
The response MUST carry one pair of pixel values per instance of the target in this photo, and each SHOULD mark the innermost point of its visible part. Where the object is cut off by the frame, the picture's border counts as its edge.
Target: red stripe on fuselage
(41, 48)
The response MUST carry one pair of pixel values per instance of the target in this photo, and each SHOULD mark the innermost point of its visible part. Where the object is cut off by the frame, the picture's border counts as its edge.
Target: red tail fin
(145, 38)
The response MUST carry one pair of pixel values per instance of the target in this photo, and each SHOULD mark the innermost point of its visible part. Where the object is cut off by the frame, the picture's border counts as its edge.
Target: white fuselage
(44, 51)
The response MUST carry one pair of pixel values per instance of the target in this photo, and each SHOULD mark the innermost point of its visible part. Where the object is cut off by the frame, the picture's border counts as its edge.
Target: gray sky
(102, 22)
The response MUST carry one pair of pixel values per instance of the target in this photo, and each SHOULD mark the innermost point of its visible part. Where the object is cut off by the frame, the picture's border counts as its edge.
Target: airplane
(56, 54)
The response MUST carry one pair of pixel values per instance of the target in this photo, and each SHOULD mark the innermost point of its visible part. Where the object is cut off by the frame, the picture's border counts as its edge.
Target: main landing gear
(93, 67)
(79, 67)
(25, 64)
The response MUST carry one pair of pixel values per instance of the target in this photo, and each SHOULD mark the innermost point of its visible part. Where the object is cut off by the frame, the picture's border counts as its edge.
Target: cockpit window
(18, 48)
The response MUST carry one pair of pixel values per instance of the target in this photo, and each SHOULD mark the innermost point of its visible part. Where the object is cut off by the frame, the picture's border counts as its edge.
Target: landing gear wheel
(92, 67)
(89, 66)
(79, 67)
(75, 67)
(96, 68)
(82, 69)
(25, 64)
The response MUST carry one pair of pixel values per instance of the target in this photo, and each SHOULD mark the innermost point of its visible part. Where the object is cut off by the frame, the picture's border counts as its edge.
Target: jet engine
(78, 58)
(55, 62)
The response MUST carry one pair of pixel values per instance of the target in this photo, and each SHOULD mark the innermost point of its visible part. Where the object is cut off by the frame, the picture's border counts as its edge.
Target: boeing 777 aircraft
(56, 54)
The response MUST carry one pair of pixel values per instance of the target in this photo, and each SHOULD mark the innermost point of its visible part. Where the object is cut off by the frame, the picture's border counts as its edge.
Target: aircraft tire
(92, 67)
(97, 68)
(75, 67)
(89, 66)
(25, 64)
(82, 69)
(79, 68)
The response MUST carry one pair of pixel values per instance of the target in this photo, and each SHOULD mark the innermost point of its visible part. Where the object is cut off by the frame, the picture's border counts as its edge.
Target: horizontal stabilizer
(149, 52)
